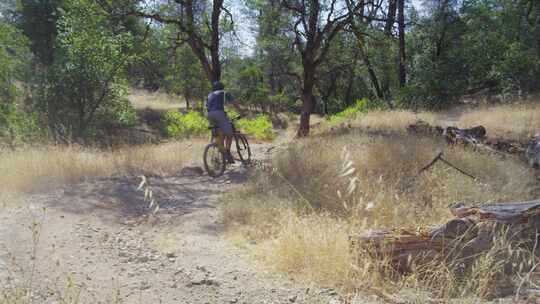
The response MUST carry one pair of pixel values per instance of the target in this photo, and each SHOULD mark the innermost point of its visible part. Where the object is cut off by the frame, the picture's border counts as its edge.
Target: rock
(292, 299)
(533, 152)
(143, 259)
(145, 285)
(203, 281)
(196, 170)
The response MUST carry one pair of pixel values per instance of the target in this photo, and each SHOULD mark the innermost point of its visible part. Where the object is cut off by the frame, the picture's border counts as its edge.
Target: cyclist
(217, 100)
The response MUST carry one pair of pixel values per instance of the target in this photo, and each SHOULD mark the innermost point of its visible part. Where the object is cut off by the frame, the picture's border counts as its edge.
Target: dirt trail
(98, 245)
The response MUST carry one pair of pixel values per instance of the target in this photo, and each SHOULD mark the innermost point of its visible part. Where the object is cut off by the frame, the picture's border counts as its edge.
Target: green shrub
(83, 87)
(260, 127)
(361, 106)
(183, 125)
(17, 126)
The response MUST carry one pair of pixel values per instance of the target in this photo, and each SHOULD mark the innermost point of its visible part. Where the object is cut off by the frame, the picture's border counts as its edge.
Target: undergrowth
(361, 106)
(325, 189)
(193, 123)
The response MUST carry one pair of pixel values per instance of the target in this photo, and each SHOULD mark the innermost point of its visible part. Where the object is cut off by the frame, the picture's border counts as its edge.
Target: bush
(17, 126)
(260, 127)
(183, 125)
(84, 85)
(14, 59)
(361, 106)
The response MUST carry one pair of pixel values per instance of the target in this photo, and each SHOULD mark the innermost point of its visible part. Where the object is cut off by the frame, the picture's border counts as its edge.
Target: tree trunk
(391, 17)
(214, 47)
(372, 75)
(187, 97)
(538, 29)
(307, 107)
(307, 101)
(371, 72)
(401, 24)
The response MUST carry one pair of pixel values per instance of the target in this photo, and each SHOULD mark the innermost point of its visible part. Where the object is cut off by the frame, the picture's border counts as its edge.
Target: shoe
(229, 158)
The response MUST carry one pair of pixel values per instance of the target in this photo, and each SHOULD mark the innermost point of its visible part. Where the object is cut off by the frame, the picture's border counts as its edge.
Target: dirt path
(97, 244)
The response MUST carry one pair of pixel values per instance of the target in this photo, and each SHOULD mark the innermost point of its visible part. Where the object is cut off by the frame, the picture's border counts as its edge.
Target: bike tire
(242, 148)
(209, 153)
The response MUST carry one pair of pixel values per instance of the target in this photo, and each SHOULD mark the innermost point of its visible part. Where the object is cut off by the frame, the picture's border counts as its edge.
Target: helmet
(216, 86)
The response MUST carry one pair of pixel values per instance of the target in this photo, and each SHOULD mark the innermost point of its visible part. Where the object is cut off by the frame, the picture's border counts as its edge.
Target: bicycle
(214, 159)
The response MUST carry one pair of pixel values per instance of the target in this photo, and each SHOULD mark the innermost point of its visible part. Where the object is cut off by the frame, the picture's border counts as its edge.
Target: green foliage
(18, 126)
(519, 69)
(14, 59)
(84, 83)
(185, 125)
(361, 106)
(38, 20)
(259, 127)
(186, 77)
(15, 124)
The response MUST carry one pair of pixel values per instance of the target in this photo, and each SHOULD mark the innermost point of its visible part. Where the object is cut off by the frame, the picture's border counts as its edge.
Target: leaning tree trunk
(391, 17)
(401, 23)
(308, 100)
(307, 108)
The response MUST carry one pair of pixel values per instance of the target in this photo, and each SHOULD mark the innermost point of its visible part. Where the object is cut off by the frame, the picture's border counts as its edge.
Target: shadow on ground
(118, 199)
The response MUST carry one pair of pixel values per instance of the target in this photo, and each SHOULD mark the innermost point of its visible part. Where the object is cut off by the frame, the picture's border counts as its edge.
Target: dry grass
(394, 120)
(511, 121)
(386, 121)
(516, 121)
(141, 99)
(325, 188)
(34, 169)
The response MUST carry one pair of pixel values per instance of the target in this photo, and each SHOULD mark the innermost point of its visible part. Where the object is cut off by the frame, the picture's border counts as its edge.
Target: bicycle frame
(214, 129)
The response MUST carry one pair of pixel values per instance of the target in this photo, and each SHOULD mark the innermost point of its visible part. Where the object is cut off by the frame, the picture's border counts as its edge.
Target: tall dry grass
(518, 121)
(397, 120)
(514, 121)
(39, 168)
(326, 188)
(142, 99)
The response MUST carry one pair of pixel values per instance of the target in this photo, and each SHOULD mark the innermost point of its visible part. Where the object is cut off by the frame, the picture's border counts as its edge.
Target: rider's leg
(220, 138)
(228, 142)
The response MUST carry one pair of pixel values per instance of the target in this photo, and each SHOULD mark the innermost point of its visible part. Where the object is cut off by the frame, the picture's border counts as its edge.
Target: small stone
(143, 259)
(145, 285)
(292, 299)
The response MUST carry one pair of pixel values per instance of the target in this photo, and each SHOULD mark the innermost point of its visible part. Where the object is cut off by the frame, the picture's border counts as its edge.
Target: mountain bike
(214, 159)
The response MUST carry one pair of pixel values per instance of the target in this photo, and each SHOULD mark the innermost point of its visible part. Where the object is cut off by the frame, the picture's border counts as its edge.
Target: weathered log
(470, 233)
(469, 136)
(477, 138)
(517, 212)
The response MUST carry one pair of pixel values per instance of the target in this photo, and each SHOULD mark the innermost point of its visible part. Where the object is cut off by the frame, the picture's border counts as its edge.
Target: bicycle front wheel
(214, 160)
(242, 148)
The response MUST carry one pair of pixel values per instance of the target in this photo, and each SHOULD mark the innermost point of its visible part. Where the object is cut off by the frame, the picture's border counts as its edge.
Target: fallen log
(470, 233)
(470, 136)
(477, 137)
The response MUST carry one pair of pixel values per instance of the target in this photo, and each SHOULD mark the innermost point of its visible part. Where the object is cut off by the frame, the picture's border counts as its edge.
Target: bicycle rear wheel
(214, 160)
(242, 148)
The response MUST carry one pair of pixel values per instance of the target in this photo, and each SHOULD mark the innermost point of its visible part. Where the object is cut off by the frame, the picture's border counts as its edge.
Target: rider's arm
(234, 103)
(236, 106)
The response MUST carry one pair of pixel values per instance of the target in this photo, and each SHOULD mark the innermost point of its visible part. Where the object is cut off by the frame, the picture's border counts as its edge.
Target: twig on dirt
(439, 157)
(431, 163)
